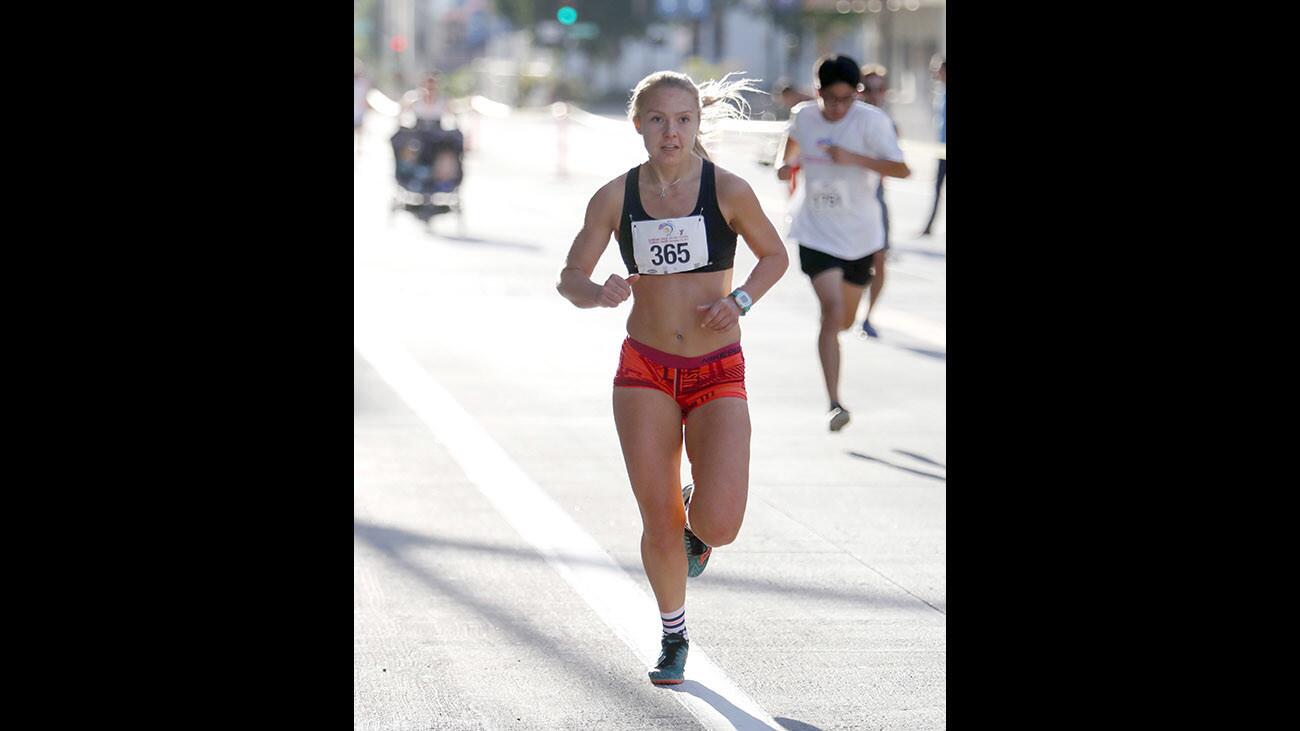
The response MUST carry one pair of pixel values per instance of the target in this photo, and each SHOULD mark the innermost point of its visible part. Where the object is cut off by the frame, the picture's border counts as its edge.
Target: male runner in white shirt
(842, 147)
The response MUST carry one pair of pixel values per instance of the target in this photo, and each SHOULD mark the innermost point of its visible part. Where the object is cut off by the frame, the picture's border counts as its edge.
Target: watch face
(742, 299)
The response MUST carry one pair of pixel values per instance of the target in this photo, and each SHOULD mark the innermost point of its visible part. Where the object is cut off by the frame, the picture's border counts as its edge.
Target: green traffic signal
(566, 15)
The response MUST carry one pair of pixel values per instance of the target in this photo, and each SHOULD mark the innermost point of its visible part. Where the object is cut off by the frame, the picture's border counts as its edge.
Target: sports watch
(743, 299)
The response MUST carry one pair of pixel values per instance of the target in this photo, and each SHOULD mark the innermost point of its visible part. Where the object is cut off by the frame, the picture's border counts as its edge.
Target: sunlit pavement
(829, 611)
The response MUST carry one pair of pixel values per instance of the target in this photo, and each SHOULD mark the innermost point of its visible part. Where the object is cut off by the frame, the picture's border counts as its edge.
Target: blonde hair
(714, 100)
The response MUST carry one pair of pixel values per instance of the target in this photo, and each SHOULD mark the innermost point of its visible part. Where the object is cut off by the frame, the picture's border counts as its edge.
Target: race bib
(828, 197)
(669, 245)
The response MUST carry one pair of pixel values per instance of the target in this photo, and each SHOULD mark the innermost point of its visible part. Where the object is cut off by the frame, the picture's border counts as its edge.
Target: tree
(520, 13)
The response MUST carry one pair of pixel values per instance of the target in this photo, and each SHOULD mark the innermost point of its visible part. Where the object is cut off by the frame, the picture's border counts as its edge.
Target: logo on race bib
(828, 196)
(666, 228)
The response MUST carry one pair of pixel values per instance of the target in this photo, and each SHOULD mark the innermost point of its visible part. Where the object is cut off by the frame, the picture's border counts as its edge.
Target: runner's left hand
(721, 315)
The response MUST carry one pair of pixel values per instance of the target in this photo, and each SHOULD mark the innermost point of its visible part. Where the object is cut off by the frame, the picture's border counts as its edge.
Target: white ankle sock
(674, 621)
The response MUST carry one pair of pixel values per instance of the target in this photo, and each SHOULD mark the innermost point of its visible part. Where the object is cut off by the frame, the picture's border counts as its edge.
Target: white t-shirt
(834, 209)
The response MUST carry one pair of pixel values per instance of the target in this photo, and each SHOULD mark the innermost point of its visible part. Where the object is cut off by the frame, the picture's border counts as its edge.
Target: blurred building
(535, 57)
(773, 40)
(401, 39)
(902, 35)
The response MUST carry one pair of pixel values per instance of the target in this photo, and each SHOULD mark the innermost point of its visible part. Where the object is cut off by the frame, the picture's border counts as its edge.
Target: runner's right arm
(598, 226)
(789, 155)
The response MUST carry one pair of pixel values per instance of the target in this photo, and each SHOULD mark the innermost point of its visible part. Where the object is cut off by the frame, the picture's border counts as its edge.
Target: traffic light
(566, 15)
(398, 43)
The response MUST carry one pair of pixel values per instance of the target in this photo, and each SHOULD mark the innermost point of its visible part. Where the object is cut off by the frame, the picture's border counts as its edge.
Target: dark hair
(835, 68)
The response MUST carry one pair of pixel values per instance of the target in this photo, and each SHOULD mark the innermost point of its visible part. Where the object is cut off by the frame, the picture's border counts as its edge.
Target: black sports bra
(721, 239)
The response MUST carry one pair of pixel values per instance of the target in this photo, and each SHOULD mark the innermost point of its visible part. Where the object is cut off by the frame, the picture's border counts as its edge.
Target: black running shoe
(671, 668)
(697, 553)
(838, 418)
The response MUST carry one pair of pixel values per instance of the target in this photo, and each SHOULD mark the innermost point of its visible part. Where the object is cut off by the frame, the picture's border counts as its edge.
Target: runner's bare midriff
(664, 314)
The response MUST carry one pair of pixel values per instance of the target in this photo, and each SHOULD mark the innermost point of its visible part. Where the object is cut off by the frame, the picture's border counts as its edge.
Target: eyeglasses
(841, 101)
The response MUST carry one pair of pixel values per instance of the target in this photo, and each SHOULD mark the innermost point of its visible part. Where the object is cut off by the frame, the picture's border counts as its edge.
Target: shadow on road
(395, 543)
(921, 458)
(738, 718)
(394, 540)
(887, 463)
(931, 253)
(789, 724)
(472, 241)
(891, 341)
(940, 354)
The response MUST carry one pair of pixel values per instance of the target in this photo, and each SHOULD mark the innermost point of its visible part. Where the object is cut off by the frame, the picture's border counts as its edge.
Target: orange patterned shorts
(690, 382)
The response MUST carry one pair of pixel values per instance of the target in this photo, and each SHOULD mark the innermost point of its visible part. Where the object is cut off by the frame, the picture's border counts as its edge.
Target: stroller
(429, 169)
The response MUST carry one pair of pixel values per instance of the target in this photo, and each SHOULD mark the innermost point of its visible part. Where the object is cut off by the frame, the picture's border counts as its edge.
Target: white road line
(575, 555)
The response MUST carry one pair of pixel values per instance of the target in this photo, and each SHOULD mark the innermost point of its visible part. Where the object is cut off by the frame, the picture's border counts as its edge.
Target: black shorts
(814, 262)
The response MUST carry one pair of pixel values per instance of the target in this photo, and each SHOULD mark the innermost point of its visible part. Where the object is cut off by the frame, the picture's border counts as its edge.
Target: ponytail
(721, 99)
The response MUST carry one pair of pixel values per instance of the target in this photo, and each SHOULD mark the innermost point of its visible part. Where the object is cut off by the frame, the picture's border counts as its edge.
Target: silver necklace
(663, 189)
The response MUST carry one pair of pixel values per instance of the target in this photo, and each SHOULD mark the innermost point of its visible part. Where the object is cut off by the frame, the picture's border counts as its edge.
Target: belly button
(677, 335)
